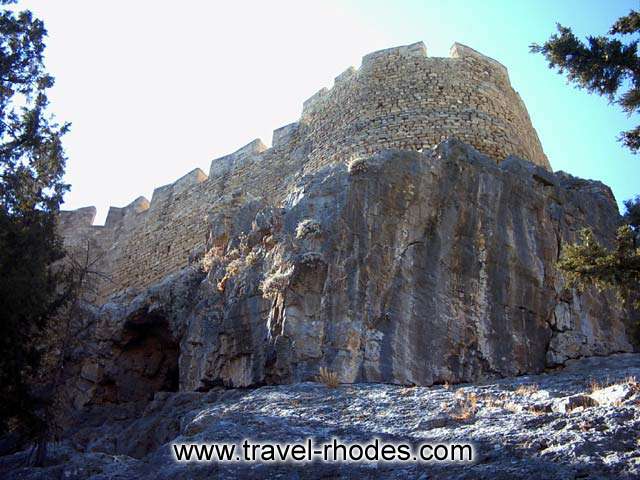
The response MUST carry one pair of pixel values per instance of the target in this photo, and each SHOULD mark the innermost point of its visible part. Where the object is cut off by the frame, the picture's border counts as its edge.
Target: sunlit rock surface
(515, 425)
(404, 267)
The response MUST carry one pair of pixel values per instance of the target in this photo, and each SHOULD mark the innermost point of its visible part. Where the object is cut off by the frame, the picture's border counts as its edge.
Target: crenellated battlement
(398, 98)
(403, 53)
(250, 152)
(462, 51)
(415, 50)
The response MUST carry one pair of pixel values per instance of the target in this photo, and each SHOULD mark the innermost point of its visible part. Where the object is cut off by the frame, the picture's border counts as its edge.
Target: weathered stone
(614, 394)
(426, 268)
(521, 441)
(568, 404)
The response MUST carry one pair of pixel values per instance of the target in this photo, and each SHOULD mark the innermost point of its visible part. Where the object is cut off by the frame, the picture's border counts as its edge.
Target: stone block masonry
(398, 98)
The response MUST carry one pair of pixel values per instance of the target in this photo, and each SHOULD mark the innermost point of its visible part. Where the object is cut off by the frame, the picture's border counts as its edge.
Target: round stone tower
(400, 98)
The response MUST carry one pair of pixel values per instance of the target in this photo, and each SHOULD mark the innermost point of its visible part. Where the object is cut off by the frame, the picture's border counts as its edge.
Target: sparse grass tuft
(632, 382)
(466, 407)
(329, 378)
(525, 390)
(594, 385)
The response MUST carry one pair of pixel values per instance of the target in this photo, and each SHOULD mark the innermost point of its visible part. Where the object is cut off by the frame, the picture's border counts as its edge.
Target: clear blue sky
(155, 89)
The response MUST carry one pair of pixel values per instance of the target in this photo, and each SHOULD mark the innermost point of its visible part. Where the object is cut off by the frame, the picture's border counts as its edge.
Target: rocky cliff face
(404, 267)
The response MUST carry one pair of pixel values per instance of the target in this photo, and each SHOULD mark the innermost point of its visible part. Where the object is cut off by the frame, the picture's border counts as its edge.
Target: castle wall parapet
(282, 136)
(249, 152)
(415, 50)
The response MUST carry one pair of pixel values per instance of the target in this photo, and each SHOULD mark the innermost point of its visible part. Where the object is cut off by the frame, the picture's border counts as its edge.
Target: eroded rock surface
(411, 268)
(405, 267)
(513, 424)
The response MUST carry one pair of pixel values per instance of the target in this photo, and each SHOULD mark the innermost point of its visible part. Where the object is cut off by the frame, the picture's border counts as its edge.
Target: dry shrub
(274, 284)
(233, 254)
(527, 389)
(466, 406)
(234, 267)
(211, 258)
(329, 378)
(243, 243)
(357, 166)
(308, 228)
(252, 258)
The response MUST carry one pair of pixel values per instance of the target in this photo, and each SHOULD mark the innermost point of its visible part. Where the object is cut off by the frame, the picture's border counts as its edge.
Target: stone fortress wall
(399, 98)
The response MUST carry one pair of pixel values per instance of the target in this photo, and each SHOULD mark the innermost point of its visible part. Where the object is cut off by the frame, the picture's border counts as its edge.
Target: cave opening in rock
(148, 360)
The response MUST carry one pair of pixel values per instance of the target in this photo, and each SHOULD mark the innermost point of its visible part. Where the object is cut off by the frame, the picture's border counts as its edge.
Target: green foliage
(603, 65)
(628, 24)
(632, 213)
(32, 162)
(589, 263)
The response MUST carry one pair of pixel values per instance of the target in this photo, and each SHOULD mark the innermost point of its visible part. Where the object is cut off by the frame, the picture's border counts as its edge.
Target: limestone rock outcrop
(403, 267)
